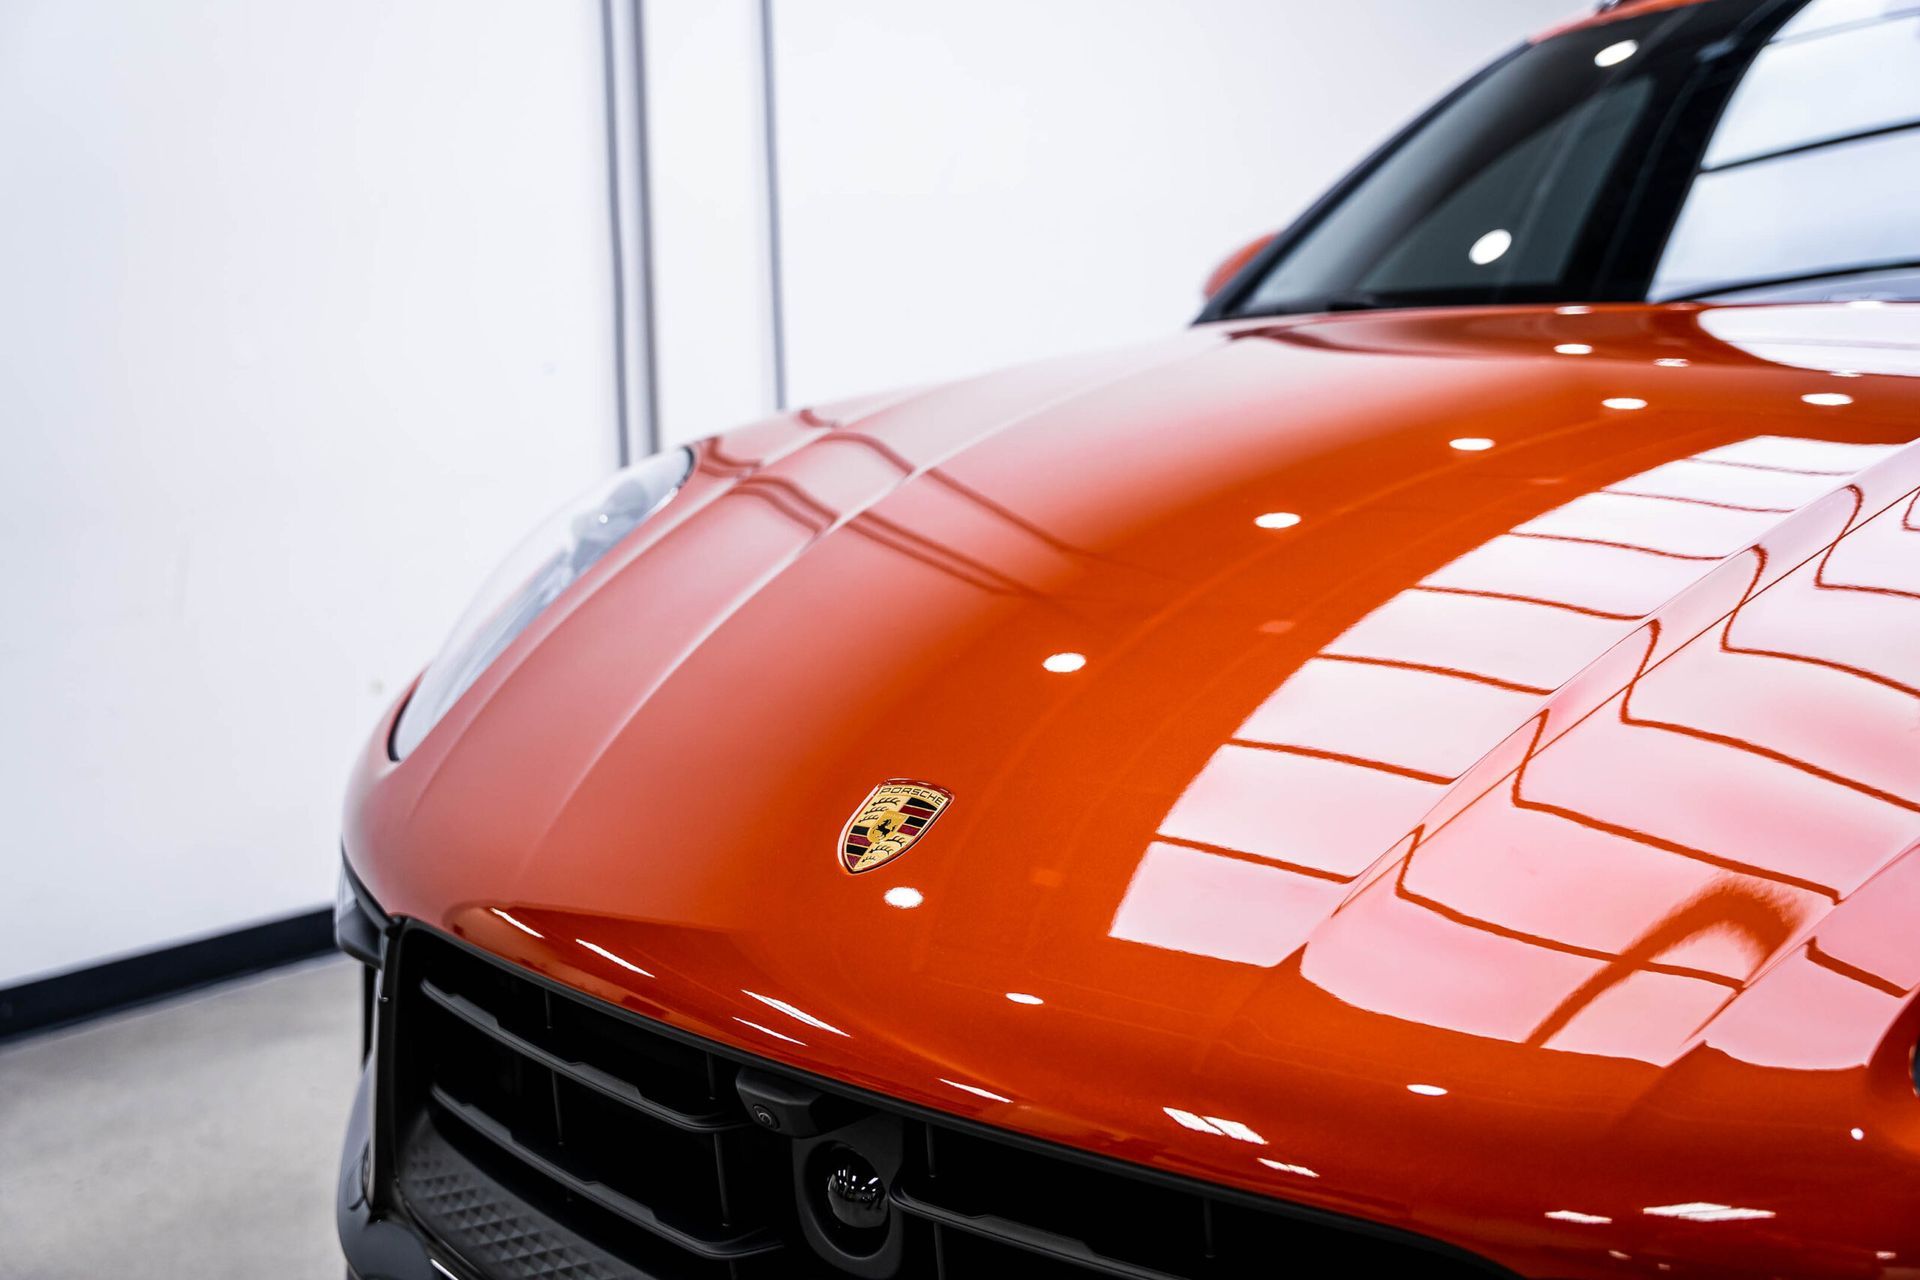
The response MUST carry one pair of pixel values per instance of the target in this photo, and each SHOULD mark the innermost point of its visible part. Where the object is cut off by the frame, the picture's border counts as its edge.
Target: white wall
(966, 185)
(305, 315)
(713, 336)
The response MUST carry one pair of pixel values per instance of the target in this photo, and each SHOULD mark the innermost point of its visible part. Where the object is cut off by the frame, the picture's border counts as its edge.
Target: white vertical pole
(630, 212)
(770, 145)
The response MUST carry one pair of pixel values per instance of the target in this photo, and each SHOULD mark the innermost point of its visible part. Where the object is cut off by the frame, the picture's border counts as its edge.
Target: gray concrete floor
(197, 1138)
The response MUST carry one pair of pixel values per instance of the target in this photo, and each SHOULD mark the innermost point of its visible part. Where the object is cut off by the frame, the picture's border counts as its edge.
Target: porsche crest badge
(894, 815)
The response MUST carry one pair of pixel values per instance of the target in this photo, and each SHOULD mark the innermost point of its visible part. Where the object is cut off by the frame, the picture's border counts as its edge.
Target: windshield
(1760, 150)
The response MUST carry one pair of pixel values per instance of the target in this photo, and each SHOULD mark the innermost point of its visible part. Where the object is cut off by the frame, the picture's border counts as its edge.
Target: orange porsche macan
(1418, 775)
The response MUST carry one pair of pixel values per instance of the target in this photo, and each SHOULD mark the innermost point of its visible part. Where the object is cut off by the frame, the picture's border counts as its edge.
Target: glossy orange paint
(1601, 17)
(1521, 846)
(1231, 264)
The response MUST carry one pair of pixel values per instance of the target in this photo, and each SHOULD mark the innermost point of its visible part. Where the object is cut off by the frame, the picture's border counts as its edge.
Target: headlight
(543, 566)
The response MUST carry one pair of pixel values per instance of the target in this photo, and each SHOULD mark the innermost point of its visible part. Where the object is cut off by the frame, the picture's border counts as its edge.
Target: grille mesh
(495, 1229)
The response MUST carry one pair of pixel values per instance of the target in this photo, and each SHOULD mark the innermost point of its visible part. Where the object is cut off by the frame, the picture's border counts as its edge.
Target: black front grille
(535, 1133)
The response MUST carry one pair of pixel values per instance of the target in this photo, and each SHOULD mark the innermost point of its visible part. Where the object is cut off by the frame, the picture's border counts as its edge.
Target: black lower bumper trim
(375, 1248)
(467, 1224)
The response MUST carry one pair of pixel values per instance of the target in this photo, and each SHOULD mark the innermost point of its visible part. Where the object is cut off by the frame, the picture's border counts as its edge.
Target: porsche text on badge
(894, 815)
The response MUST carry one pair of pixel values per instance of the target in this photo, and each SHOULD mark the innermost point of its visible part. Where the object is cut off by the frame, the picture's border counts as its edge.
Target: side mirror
(1230, 265)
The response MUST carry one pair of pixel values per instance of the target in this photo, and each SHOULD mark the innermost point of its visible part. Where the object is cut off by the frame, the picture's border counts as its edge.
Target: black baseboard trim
(154, 975)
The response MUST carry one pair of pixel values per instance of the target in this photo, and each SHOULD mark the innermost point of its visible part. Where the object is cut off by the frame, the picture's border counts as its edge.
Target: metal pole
(770, 141)
(630, 218)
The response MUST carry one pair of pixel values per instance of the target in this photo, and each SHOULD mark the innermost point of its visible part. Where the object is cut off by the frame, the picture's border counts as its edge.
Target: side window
(1817, 16)
(1801, 92)
(1815, 169)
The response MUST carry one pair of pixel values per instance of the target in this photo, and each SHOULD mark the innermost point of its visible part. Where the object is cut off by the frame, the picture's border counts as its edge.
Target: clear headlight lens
(531, 578)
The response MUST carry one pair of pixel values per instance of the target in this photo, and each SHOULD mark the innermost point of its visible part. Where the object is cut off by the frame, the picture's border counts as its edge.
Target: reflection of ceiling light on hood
(976, 1091)
(1672, 362)
(1471, 444)
(1615, 54)
(1427, 1090)
(1214, 1125)
(1021, 997)
(1277, 520)
(1574, 349)
(1237, 1131)
(795, 1012)
(1701, 1211)
(1065, 663)
(1573, 1215)
(769, 1031)
(605, 954)
(1828, 399)
(903, 896)
(1624, 402)
(527, 929)
(1299, 1169)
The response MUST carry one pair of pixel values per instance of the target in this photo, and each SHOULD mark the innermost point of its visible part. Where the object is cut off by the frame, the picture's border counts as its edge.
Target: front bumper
(450, 1172)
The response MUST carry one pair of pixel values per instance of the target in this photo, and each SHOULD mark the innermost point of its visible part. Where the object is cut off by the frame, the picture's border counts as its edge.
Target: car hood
(1458, 768)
